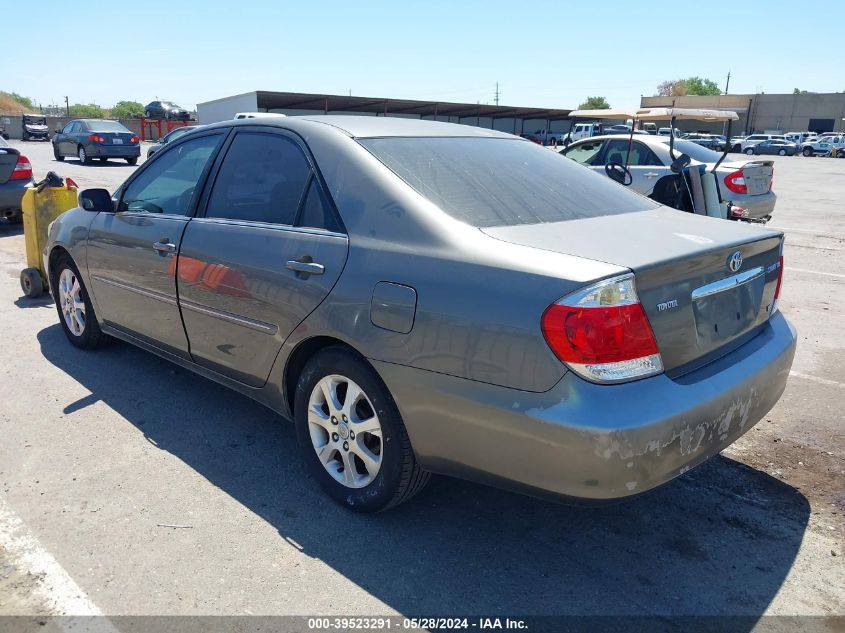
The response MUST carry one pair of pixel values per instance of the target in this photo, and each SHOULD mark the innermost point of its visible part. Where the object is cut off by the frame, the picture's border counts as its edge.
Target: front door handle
(309, 268)
(651, 174)
(164, 246)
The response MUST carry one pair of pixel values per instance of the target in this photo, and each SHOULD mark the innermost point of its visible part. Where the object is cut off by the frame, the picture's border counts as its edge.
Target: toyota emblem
(735, 261)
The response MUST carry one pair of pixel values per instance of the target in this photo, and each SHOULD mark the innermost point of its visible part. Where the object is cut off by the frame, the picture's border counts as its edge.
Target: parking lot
(131, 486)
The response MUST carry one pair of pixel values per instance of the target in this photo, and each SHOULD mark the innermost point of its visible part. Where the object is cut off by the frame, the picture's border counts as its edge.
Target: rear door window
(262, 179)
(617, 152)
(489, 182)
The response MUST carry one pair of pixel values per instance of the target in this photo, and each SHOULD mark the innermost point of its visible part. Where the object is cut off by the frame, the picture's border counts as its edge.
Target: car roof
(373, 126)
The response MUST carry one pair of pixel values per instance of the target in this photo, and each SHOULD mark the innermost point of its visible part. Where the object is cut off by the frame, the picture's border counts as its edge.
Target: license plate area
(728, 307)
(117, 141)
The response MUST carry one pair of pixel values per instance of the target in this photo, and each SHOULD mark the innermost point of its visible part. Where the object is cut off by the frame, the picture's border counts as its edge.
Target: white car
(824, 145)
(752, 140)
(746, 183)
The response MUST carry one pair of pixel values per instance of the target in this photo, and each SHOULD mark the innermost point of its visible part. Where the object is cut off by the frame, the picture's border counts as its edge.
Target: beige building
(814, 112)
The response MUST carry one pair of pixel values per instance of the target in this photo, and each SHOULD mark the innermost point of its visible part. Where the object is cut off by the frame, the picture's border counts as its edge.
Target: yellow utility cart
(40, 206)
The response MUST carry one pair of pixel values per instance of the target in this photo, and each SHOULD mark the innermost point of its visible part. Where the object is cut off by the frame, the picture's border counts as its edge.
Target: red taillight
(780, 278)
(735, 181)
(134, 140)
(22, 170)
(96, 138)
(602, 333)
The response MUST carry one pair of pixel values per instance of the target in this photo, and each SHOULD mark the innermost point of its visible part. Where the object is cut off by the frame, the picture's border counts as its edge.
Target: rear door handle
(164, 246)
(651, 174)
(309, 268)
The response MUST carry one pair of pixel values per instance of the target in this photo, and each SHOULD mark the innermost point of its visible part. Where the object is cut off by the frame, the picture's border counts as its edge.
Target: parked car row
(746, 183)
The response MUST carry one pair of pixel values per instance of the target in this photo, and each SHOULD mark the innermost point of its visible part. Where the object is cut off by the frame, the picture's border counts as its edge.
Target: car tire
(781, 152)
(24, 137)
(736, 148)
(326, 430)
(147, 114)
(840, 153)
(71, 298)
(83, 156)
(133, 160)
(807, 151)
(749, 151)
(56, 154)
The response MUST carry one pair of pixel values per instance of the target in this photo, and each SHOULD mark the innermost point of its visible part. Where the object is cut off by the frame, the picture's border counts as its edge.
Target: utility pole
(728, 82)
(496, 99)
(67, 107)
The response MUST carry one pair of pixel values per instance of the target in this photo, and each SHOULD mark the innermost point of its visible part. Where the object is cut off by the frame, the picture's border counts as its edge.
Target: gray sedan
(15, 178)
(746, 183)
(426, 297)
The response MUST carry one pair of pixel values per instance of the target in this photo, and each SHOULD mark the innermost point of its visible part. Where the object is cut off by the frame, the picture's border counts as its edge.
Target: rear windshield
(695, 151)
(106, 126)
(502, 182)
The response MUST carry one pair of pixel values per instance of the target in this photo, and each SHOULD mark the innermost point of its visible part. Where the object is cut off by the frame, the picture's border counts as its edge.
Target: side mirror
(680, 163)
(58, 129)
(96, 201)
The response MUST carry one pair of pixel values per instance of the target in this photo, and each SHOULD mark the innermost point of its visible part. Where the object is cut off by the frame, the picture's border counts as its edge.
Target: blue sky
(105, 51)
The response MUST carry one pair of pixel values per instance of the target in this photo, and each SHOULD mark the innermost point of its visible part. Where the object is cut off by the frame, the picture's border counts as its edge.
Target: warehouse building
(515, 120)
(813, 112)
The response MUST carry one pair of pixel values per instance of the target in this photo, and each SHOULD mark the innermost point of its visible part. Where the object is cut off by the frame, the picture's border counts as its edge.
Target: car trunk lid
(757, 174)
(8, 160)
(698, 306)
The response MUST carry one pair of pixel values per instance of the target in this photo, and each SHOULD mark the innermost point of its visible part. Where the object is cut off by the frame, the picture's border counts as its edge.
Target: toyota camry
(423, 297)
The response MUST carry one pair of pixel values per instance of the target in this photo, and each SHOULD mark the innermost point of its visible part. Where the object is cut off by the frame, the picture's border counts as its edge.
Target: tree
(795, 91)
(701, 87)
(127, 110)
(594, 103)
(87, 111)
(689, 86)
(672, 88)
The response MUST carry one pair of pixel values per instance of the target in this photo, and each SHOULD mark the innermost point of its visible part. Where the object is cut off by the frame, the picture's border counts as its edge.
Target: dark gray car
(102, 139)
(165, 110)
(427, 297)
(15, 178)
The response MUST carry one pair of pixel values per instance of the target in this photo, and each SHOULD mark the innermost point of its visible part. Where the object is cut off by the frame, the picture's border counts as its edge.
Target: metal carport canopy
(340, 103)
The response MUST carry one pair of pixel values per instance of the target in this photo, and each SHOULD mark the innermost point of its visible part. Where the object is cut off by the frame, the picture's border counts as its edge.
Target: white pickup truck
(546, 137)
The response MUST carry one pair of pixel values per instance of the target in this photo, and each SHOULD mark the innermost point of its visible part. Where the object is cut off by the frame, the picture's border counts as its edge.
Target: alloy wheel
(345, 431)
(71, 302)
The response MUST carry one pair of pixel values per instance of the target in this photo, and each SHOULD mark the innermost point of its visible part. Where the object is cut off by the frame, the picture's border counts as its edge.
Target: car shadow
(112, 162)
(718, 541)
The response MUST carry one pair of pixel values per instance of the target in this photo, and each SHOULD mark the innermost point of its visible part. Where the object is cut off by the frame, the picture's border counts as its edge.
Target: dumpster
(40, 206)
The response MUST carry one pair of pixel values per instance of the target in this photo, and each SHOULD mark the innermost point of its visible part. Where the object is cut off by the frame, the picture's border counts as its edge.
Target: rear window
(106, 126)
(489, 182)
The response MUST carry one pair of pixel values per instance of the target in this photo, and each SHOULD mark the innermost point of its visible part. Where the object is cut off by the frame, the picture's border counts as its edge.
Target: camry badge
(735, 261)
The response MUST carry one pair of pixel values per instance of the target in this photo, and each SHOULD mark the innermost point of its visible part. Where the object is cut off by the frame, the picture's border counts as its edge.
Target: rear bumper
(11, 194)
(756, 207)
(587, 441)
(114, 151)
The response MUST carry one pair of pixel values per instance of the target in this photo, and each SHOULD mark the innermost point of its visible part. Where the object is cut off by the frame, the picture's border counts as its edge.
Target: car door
(67, 142)
(265, 253)
(131, 253)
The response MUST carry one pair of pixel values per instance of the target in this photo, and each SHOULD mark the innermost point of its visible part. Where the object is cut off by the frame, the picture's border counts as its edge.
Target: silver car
(423, 297)
(746, 183)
